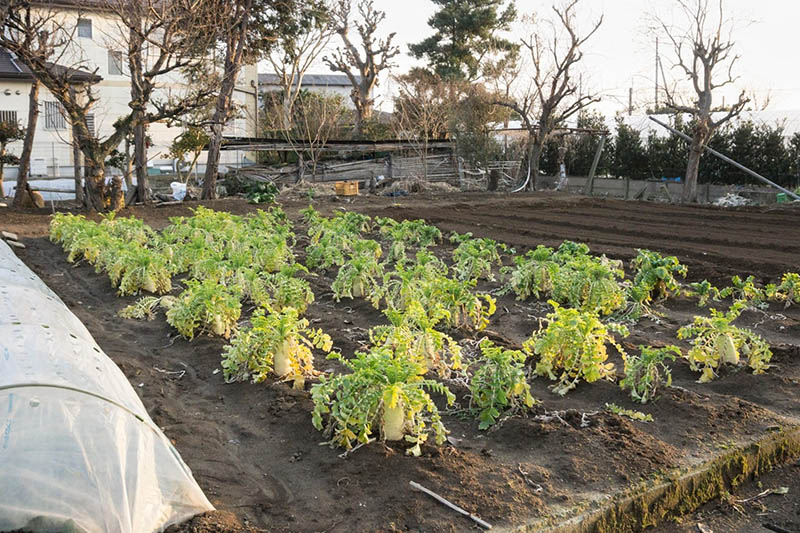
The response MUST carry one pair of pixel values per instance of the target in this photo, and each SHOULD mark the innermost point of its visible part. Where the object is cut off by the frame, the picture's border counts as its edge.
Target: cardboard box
(346, 188)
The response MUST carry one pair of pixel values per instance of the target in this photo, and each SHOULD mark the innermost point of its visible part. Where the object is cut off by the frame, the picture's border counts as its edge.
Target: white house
(99, 43)
(328, 84)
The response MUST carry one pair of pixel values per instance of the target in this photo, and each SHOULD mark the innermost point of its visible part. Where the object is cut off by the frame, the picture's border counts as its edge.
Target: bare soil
(254, 451)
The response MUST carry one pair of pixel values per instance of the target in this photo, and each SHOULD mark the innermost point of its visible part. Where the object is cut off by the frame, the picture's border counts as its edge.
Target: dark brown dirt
(252, 447)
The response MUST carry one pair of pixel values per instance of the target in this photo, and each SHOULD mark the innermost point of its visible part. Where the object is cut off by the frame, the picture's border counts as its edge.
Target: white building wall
(54, 146)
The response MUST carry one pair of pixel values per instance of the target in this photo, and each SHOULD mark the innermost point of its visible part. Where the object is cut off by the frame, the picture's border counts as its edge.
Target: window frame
(54, 119)
(117, 58)
(9, 115)
(80, 28)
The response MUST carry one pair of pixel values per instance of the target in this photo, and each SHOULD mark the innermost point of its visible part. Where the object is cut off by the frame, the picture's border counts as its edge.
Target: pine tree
(467, 34)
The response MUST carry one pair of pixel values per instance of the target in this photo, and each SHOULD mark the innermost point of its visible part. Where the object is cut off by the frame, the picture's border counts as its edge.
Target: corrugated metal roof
(310, 80)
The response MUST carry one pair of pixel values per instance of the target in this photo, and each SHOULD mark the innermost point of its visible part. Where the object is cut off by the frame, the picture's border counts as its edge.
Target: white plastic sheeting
(78, 451)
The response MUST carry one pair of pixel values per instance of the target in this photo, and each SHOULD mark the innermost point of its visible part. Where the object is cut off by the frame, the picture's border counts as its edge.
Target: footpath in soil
(254, 451)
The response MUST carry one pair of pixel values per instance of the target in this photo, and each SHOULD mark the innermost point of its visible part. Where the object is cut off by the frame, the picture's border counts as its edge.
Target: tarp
(78, 451)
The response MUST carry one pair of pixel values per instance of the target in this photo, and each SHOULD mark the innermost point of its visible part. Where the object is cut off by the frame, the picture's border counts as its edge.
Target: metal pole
(630, 101)
(595, 163)
(728, 160)
(655, 108)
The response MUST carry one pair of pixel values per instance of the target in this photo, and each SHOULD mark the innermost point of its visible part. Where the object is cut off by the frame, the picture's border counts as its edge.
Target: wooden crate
(346, 188)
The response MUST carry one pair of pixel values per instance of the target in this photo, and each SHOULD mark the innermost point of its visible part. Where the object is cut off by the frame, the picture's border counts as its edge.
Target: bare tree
(189, 143)
(501, 75)
(60, 65)
(317, 119)
(234, 17)
(553, 94)
(373, 57)
(293, 54)
(421, 111)
(27, 147)
(161, 38)
(70, 79)
(703, 49)
(246, 30)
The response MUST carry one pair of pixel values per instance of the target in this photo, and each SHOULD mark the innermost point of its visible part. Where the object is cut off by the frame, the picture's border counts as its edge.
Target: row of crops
(223, 261)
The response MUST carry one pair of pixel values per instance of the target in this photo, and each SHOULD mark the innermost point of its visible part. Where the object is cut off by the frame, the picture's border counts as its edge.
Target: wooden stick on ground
(452, 506)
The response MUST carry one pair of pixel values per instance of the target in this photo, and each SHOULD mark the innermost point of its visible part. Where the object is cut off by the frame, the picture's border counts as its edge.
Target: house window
(115, 63)
(54, 116)
(85, 28)
(90, 124)
(8, 116)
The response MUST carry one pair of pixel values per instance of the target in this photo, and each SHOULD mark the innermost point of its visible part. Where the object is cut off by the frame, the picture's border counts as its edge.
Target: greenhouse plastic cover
(78, 451)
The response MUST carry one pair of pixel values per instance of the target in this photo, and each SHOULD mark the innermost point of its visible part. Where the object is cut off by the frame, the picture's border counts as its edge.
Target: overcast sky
(621, 54)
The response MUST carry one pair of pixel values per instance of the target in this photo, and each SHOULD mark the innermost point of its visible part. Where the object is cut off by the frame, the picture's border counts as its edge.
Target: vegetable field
(523, 357)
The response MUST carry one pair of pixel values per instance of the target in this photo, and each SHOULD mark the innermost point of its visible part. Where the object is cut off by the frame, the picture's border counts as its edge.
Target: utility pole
(630, 101)
(655, 108)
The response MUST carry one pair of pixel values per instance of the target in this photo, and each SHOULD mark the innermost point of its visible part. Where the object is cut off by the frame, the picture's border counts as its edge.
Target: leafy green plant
(703, 291)
(275, 290)
(277, 342)
(207, 306)
(656, 273)
(381, 390)
(590, 284)
(362, 274)
(532, 274)
(425, 281)
(331, 238)
(744, 290)
(715, 342)
(474, 258)
(288, 290)
(629, 413)
(569, 251)
(133, 268)
(402, 285)
(64, 227)
(261, 192)
(145, 307)
(646, 372)
(466, 309)
(789, 289)
(412, 333)
(127, 229)
(407, 233)
(499, 384)
(573, 345)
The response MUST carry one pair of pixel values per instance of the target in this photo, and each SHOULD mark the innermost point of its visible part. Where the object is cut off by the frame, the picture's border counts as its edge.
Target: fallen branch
(354, 448)
(779, 491)
(452, 506)
(537, 488)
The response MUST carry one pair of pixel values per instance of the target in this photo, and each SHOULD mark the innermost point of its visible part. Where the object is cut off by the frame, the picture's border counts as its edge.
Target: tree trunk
(140, 156)
(2, 165)
(76, 165)
(27, 145)
(692, 171)
(117, 196)
(535, 157)
(212, 163)
(494, 179)
(95, 185)
(128, 164)
(363, 110)
(221, 114)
